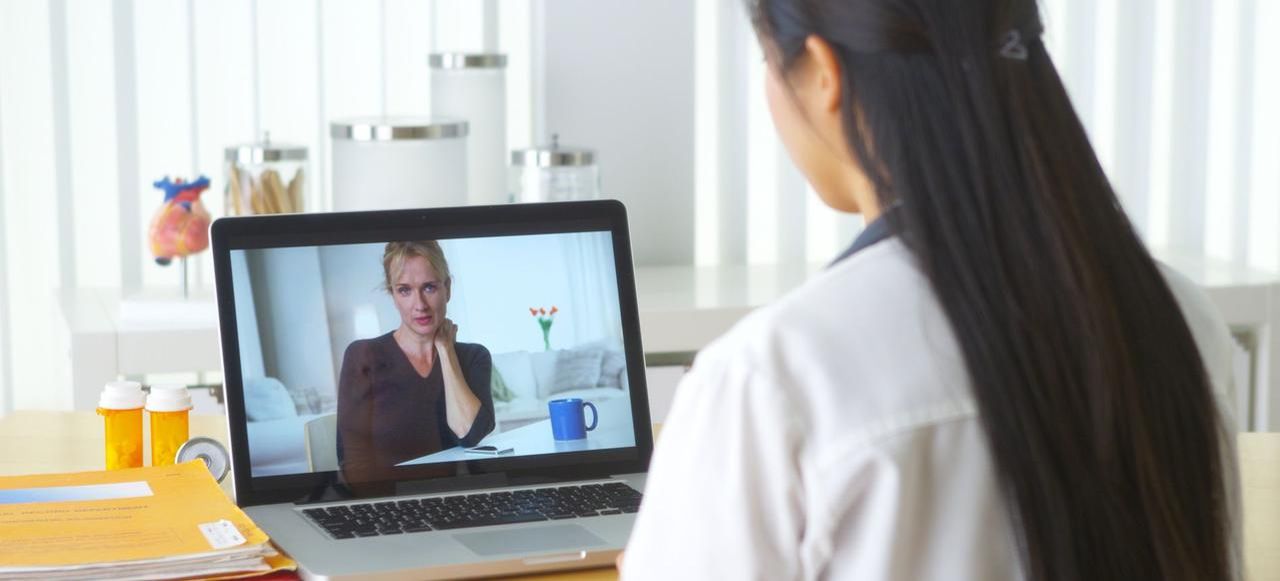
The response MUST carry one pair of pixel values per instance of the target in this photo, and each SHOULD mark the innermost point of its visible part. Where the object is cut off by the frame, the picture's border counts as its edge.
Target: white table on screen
(614, 430)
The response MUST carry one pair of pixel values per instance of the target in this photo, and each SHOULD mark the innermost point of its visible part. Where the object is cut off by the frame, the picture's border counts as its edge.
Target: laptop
(450, 392)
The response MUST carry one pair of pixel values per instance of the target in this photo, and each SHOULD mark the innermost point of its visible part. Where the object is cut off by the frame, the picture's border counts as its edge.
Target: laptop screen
(412, 356)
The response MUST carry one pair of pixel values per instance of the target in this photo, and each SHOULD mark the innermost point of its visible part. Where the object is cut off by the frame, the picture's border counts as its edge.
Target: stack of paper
(142, 523)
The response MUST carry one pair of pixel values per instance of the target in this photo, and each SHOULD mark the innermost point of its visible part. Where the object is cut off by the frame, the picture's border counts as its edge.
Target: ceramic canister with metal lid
(266, 178)
(554, 173)
(473, 86)
(382, 163)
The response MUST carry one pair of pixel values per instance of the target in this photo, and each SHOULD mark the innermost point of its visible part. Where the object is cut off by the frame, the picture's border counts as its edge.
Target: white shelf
(682, 308)
(1247, 298)
(109, 337)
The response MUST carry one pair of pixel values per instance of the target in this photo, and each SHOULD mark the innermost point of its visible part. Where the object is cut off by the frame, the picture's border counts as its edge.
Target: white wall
(496, 280)
(292, 322)
(356, 307)
(618, 77)
(251, 365)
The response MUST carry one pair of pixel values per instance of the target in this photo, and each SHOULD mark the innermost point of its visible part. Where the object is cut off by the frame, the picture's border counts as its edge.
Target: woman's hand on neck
(445, 337)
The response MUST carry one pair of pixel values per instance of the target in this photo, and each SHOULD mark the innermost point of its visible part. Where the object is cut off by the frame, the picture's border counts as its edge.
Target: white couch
(278, 446)
(593, 372)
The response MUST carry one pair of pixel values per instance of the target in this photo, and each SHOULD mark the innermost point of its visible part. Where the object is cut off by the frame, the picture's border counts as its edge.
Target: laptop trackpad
(530, 540)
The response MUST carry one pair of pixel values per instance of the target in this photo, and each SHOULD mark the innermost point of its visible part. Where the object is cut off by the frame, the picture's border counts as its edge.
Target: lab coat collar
(877, 231)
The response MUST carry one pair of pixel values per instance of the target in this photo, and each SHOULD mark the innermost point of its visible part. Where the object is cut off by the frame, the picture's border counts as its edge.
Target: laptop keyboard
(474, 510)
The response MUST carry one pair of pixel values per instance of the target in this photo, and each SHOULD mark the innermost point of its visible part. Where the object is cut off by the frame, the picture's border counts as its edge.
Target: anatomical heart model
(180, 227)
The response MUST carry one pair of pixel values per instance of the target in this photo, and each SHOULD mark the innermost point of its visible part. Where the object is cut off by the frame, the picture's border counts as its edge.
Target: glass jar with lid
(266, 178)
(554, 173)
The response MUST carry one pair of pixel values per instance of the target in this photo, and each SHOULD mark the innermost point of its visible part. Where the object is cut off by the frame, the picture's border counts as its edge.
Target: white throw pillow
(265, 398)
(613, 366)
(558, 371)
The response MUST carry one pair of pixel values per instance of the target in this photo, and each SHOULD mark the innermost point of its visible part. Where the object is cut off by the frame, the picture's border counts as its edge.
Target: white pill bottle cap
(169, 398)
(121, 395)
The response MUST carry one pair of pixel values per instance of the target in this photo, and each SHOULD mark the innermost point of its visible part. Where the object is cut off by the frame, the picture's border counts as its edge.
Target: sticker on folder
(221, 534)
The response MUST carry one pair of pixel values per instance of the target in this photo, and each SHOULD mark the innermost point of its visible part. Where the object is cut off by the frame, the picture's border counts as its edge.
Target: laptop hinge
(461, 483)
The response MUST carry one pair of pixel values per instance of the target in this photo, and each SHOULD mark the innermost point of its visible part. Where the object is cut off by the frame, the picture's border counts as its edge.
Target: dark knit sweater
(388, 414)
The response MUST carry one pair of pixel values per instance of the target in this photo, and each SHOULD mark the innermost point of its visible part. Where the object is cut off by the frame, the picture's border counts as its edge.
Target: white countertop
(682, 308)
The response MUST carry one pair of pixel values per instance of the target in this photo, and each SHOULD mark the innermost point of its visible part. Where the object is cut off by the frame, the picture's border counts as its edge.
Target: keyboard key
(475, 510)
(489, 521)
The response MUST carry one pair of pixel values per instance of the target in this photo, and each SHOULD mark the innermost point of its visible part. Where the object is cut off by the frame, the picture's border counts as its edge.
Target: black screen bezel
(321, 229)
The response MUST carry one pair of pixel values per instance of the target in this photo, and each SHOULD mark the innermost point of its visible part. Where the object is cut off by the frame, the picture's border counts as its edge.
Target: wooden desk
(36, 442)
(1260, 484)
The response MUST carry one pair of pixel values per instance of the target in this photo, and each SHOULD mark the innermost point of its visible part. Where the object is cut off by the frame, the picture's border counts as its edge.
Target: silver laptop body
(288, 468)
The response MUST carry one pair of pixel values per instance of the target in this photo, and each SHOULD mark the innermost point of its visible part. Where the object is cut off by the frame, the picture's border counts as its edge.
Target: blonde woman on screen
(415, 390)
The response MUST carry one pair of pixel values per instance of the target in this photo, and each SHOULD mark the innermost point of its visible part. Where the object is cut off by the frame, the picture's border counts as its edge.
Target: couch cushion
(498, 386)
(563, 370)
(613, 365)
(517, 373)
(265, 398)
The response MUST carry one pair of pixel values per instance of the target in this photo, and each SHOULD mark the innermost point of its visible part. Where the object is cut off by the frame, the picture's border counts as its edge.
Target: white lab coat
(832, 435)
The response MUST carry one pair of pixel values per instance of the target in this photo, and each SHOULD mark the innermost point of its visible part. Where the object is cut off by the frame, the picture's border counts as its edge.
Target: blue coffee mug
(568, 421)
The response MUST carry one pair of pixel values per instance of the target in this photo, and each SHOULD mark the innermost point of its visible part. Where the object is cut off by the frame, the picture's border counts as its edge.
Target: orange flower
(542, 311)
(533, 311)
(554, 310)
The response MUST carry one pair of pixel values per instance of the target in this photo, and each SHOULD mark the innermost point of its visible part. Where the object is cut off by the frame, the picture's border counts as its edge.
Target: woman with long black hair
(996, 381)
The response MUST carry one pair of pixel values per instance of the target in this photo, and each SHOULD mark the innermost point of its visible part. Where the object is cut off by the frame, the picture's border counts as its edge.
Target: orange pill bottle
(120, 406)
(169, 408)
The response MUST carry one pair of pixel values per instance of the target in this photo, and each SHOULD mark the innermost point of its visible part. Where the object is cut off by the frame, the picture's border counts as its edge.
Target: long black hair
(1095, 403)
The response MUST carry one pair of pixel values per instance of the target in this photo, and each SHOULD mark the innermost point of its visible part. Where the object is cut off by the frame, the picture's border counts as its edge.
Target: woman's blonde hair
(396, 253)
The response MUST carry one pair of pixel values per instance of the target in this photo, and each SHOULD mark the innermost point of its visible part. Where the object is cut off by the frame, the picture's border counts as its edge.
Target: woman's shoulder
(369, 346)
(863, 343)
(873, 295)
(1208, 328)
(472, 352)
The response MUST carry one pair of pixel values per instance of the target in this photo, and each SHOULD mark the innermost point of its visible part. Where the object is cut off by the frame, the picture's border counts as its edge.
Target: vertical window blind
(98, 99)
